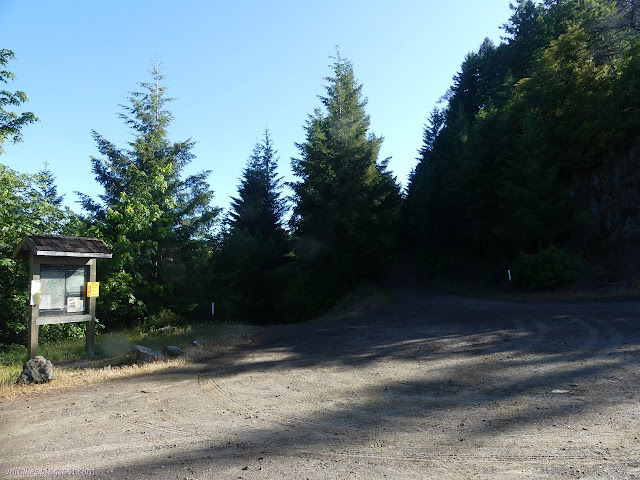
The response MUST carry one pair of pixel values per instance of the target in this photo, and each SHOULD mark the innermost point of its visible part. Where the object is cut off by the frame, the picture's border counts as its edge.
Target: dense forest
(511, 175)
(503, 163)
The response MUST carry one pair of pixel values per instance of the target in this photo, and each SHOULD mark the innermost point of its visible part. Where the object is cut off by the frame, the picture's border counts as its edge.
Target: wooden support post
(90, 330)
(32, 327)
(32, 332)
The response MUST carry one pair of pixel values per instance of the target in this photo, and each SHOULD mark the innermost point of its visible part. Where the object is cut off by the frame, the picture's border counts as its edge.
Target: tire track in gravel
(214, 388)
(421, 445)
(166, 420)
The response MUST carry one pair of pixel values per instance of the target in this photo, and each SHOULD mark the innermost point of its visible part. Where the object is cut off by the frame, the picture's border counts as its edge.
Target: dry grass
(68, 377)
(212, 342)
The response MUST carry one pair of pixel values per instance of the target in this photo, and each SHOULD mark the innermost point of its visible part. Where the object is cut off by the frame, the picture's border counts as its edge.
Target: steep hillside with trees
(496, 179)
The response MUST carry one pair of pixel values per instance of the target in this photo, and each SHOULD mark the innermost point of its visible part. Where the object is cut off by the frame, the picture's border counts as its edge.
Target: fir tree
(154, 219)
(248, 267)
(346, 201)
(259, 208)
(525, 123)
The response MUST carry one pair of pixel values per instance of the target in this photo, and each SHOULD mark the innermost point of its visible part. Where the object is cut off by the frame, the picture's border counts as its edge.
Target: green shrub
(58, 332)
(163, 318)
(13, 354)
(546, 269)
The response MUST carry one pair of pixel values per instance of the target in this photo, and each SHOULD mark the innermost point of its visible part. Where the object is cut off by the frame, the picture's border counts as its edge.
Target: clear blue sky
(234, 69)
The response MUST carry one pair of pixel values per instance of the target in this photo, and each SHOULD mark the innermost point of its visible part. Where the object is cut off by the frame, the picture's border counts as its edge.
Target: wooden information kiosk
(63, 287)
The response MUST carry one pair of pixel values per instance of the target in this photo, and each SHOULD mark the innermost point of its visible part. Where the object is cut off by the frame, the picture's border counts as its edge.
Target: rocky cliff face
(615, 199)
(611, 195)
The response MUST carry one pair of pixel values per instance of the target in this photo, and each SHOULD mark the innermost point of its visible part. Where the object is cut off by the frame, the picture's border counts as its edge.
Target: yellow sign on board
(93, 289)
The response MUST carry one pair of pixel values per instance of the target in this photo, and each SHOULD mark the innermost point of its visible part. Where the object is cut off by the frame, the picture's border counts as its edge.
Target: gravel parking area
(430, 386)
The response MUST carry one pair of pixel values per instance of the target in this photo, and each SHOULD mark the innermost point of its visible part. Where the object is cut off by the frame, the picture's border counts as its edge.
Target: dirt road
(428, 387)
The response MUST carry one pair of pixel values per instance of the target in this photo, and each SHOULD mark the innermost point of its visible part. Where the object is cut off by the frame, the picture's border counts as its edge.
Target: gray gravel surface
(429, 386)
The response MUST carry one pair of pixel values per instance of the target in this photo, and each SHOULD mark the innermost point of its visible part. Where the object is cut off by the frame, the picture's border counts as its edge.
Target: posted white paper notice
(45, 302)
(35, 292)
(75, 304)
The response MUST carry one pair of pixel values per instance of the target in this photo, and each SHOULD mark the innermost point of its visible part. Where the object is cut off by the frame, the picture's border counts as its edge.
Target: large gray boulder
(37, 370)
(142, 354)
(172, 351)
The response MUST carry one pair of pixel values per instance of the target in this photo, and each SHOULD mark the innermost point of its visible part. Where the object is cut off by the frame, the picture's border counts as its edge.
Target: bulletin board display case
(63, 286)
(62, 290)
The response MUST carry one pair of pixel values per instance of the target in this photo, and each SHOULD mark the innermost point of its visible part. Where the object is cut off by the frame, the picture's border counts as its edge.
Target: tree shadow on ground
(474, 372)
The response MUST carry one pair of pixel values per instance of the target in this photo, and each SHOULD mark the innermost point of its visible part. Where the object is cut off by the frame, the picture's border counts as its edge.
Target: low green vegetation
(546, 269)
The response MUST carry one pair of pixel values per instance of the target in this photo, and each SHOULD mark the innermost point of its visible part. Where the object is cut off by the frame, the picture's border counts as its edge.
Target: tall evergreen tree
(154, 219)
(631, 13)
(259, 207)
(248, 275)
(346, 201)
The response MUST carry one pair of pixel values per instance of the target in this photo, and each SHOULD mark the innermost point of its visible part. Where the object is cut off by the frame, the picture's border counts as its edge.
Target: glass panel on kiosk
(62, 289)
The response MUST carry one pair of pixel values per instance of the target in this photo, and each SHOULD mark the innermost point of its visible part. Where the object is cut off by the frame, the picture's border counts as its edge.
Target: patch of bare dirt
(429, 386)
